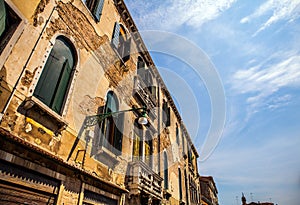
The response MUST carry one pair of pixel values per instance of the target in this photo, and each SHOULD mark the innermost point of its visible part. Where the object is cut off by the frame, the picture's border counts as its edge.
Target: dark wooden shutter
(119, 133)
(164, 113)
(98, 9)
(115, 40)
(127, 45)
(180, 184)
(168, 122)
(2, 17)
(62, 87)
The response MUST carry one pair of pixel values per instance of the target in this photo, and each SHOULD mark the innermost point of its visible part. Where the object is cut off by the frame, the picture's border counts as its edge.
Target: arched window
(121, 42)
(166, 171)
(180, 184)
(113, 125)
(55, 78)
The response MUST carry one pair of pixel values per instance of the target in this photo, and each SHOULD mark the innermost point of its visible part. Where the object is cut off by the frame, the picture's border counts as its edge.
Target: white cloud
(263, 80)
(171, 14)
(278, 10)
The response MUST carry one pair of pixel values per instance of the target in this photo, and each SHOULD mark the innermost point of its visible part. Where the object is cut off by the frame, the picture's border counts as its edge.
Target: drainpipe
(24, 68)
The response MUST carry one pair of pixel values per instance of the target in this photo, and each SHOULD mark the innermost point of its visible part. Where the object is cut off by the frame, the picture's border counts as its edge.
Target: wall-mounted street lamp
(96, 119)
(93, 120)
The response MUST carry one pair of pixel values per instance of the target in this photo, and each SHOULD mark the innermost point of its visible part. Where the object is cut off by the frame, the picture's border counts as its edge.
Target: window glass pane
(112, 105)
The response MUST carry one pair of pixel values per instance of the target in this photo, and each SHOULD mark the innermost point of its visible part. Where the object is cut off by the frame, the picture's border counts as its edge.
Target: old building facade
(209, 191)
(65, 65)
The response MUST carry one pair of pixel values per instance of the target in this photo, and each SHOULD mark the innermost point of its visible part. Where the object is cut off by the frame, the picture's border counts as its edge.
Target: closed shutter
(54, 80)
(115, 40)
(45, 88)
(19, 185)
(98, 9)
(2, 17)
(119, 133)
(127, 46)
(164, 114)
(62, 87)
(168, 122)
(97, 199)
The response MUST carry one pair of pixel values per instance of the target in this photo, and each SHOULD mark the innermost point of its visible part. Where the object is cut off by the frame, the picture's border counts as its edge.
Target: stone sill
(38, 111)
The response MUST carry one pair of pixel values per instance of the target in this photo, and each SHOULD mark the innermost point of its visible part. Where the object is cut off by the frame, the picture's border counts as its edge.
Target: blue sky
(255, 47)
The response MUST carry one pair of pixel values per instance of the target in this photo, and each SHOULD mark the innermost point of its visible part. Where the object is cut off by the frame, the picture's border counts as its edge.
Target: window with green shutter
(121, 42)
(9, 22)
(2, 17)
(96, 7)
(55, 78)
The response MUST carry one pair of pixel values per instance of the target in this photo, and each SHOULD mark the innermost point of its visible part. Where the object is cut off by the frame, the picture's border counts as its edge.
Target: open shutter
(98, 9)
(115, 40)
(2, 17)
(119, 133)
(127, 45)
(62, 86)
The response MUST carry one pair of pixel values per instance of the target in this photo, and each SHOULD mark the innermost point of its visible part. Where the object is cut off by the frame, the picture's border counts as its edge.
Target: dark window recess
(166, 114)
(141, 65)
(121, 42)
(96, 7)
(180, 184)
(113, 126)
(9, 22)
(54, 81)
(166, 171)
(177, 135)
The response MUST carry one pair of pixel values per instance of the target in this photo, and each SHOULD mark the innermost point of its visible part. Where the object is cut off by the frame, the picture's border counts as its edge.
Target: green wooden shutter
(98, 9)
(119, 128)
(115, 40)
(2, 17)
(45, 88)
(62, 87)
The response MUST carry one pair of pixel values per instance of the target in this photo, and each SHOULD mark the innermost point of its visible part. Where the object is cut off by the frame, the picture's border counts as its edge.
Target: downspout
(158, 125)
(24, 68)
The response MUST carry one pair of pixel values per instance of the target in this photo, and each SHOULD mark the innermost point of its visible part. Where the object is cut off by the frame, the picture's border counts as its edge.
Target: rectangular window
(166, 114)
(9, 22)
(96, 7)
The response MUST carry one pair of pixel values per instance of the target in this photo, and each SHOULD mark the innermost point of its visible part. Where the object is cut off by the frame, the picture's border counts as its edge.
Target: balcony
(142, 179)
(142, 92)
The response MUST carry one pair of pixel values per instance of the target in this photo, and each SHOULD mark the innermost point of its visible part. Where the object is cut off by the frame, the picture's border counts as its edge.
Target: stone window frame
(16, 34)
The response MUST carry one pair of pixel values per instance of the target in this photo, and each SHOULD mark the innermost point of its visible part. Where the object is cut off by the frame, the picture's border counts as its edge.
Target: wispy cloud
(261, 81)
(277, 10)
(257, 165)
(171, 14)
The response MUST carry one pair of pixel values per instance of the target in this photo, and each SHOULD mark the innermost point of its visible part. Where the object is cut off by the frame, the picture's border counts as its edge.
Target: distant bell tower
(243, 199)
